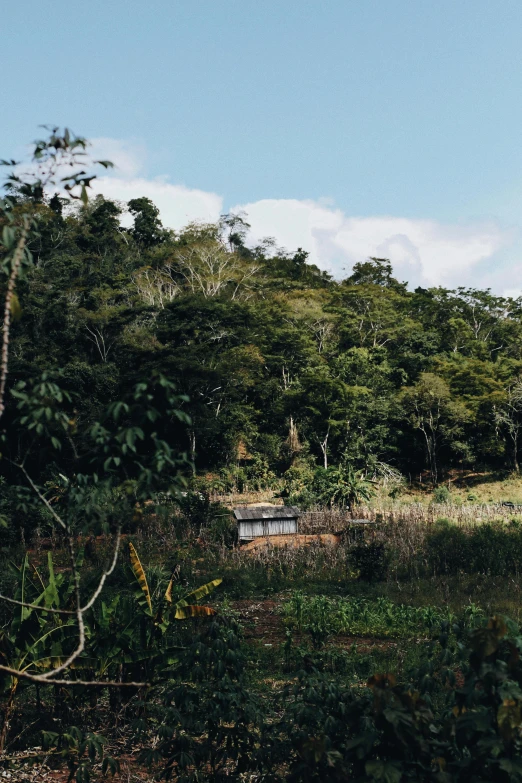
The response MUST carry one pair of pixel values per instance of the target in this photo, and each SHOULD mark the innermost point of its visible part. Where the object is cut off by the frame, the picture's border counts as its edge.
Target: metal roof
(266, 512)
(361, 522)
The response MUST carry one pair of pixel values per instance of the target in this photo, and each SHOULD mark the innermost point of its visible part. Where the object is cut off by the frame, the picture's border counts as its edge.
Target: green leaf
(8, 237)
(14, 306)
(387, 771)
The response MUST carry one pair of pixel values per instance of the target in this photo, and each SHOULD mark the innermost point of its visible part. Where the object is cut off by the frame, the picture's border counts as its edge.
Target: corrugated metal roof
(266, 512)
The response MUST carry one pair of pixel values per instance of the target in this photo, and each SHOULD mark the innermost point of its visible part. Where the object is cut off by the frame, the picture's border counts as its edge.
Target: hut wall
(249, 529)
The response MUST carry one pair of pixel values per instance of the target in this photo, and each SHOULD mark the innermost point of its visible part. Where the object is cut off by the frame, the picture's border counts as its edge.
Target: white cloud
(177, 204)
(128, 157)
(423, 252)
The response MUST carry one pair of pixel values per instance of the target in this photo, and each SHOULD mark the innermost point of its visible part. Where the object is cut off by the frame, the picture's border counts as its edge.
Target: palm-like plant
(345, 487)
(182, 609)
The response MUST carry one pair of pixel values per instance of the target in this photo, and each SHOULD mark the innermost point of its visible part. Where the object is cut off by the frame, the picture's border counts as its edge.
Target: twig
(85, 683)
(44, 500)
(35, 606)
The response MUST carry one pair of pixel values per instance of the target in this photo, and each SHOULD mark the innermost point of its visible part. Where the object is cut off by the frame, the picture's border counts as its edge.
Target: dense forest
(280, 367)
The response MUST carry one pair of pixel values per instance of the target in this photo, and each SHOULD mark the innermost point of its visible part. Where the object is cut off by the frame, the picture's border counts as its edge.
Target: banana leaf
(139, 573)
(198, 593)
(184, 612)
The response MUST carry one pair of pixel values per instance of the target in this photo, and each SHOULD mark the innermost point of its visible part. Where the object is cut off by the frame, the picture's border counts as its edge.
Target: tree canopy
(266, 345)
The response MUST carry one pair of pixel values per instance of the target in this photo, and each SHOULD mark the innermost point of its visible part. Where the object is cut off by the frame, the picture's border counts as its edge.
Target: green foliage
(341, 487)
(489, 548)
(81, 751)
(393, 732)
(278, 370)
(269, 350)
(321, 617)
(210, 721)
(371, 560)
(441, 495)
(199, 510)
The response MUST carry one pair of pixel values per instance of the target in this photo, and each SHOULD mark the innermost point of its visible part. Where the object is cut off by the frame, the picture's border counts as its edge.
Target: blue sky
(351, 127)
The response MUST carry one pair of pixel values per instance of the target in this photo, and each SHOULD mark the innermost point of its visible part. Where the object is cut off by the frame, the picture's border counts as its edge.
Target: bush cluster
(490, 548)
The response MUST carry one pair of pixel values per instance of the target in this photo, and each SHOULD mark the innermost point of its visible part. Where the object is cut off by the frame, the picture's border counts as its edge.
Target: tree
(322, 403)
(236, 229)
(209, 269)
(98, 457)
(375, 271)
(429, 408)
(148, 230)
(372, 315)
(508, 417)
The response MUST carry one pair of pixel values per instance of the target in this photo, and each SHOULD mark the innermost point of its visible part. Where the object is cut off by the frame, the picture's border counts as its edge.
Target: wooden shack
(261, 521)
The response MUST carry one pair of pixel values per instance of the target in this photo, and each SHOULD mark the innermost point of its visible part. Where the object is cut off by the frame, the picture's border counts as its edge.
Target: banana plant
(181, 609)
(146, 646)
(34, 639)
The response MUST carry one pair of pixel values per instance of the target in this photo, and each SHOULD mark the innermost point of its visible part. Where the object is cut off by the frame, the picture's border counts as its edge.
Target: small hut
(261, 521)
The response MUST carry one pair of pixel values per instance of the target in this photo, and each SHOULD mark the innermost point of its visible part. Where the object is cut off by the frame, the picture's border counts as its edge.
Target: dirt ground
(262, 622)
(291, 541)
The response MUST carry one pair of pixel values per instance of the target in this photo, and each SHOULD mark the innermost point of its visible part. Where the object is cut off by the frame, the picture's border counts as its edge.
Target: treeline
(281, 365)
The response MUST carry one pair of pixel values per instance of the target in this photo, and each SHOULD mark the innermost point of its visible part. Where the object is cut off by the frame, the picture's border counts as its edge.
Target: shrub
(447, 548)
(490, 548)
(222, 530)
(441, 495)
(341, 486)
(393, 732)
(200, 511)
(371, 560)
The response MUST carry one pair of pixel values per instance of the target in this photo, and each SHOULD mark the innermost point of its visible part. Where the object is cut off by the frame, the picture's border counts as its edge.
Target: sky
(347, 127)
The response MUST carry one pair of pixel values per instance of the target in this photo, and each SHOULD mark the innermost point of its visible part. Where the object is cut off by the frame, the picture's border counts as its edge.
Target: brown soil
(291, 541)
(263, 623)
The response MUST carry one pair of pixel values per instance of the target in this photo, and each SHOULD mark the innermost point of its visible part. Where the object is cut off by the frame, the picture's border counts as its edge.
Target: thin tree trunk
(324, 449)
(293, 437)
(192, 450)
(15, 270)
(8, 715)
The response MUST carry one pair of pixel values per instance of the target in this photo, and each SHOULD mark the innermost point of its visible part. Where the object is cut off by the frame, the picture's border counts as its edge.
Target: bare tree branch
(43, 499)
(40, 678)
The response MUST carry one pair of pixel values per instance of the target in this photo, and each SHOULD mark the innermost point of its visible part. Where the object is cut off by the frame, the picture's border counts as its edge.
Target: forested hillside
(281, 365)
(133, 356)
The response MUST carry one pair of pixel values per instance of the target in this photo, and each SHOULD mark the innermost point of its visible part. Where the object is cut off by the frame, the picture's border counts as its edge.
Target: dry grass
(466, 488)
(403, 527)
